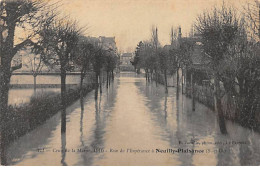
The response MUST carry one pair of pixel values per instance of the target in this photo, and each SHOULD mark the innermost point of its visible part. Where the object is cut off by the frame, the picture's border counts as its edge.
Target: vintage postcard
(129, 82)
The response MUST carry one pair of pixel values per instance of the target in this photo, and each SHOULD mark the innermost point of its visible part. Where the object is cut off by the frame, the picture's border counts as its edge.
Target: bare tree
(58, 46)
(82, 59)
(136, 62)
(164, 58)
(241, 70)
(35, 64)
(218, 30)
(110, 59)
(146, 60)
(23, 14)
(154, 57)
(252, 14)
(98, 63)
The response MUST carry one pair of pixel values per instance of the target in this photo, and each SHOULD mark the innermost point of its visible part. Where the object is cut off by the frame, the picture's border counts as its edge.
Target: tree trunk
(81, 81)
(4, 90)
(112, 75)
(192, 91)
(34, 82)
(165, 81)
(100, 83)
(182, 81)
(63, 99)
(82, 75)
(107, 78)
(177, 77)
(103, 77)
(218, 105)
(146, 77)
(7, 53)
(156, 78)
(96, 85)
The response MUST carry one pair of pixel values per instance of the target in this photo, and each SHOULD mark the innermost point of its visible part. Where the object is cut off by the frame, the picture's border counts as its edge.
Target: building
(107, 43)
(102, 41)
(17, 61)
(125, 62)
(22, 63)
(197, 70)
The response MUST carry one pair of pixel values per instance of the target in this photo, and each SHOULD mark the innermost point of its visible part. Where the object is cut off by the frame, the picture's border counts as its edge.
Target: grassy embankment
(26, 117)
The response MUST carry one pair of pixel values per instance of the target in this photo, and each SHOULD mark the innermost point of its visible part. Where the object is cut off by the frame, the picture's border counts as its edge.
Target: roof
(197, 54)
(104, 39)
(92, 40)
(167, 47)
(127, 55)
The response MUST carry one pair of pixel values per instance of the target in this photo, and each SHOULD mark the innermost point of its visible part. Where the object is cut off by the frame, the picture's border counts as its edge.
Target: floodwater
(19, 96)
(135, 123)
(43, 79)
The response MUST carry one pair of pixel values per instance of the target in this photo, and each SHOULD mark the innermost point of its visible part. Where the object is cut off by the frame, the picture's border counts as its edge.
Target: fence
(205, 95)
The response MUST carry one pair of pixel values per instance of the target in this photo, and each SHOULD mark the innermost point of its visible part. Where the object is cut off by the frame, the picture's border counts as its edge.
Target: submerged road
(135, 123)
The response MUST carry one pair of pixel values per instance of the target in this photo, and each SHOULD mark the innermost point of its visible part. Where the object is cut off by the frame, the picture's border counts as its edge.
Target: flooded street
(136, 123)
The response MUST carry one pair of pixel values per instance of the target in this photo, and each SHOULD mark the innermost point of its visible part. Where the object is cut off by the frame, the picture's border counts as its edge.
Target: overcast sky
(130, 21)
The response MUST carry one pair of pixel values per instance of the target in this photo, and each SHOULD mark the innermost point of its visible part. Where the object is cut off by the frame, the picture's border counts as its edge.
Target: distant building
(198, 60)
(93, 40)
(125, 62)
(22, 59)
(126, 58)
(108, 43)
(102, 41)
(17, 61)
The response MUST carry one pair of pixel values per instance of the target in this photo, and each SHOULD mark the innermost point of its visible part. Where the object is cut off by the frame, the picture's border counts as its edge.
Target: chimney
(156, 36)
(179, 36)
(172, 36)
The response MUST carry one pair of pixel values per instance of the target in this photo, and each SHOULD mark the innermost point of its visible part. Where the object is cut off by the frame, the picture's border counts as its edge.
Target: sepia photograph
(129, 83)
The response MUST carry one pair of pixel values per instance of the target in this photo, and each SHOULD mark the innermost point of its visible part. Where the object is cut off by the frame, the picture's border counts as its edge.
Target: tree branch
(3, 17)
(21, 45)
(16, 67)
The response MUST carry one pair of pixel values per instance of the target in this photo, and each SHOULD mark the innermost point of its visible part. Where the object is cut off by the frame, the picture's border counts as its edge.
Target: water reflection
(63, 149)
(3, 142)
(98, 132)
(197, 127)
(133, 114)
(165, 106)
(21, 96)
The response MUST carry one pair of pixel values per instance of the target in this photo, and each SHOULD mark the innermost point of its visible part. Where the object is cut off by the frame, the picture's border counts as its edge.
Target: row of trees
(56, 42)
(232, 49)
(230, 45)
(156, 60)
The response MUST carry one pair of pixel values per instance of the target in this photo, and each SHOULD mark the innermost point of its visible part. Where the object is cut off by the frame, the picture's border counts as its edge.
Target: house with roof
(125, 62)
(108, 43)
(196, 71)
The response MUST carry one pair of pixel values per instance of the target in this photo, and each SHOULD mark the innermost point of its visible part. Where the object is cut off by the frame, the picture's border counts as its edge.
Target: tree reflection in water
(63, 136)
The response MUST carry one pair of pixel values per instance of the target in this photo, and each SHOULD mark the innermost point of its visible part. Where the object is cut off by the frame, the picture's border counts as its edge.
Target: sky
(130, 21)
